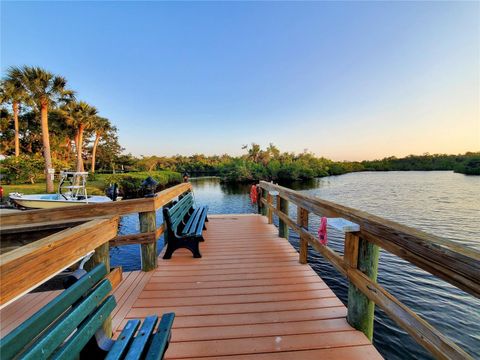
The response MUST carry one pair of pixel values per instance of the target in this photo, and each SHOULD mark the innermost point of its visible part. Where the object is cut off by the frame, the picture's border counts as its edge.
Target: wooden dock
(248, 297)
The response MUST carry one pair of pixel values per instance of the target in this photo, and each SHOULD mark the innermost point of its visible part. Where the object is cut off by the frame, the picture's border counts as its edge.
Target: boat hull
(48, 202)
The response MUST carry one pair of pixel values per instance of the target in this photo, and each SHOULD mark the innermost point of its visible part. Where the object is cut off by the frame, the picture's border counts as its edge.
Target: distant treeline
(272, 164)
(468, 163)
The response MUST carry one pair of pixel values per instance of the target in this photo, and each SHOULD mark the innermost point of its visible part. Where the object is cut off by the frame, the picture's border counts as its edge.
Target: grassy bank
(93, 188)
(127, 182)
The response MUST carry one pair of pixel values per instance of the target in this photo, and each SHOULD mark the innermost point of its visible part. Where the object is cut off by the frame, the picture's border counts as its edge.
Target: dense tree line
(272, 164)
(44, 126)
(468, 163)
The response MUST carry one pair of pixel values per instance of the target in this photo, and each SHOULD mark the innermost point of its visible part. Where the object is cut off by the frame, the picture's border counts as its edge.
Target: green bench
(70, 327)
(185, 224)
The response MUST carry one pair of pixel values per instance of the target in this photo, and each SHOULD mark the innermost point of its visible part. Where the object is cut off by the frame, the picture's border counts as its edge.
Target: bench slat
(179, 215)
(120, 346)
(138, 347)
(161, 338)
(201, 221)
(188, 199)
(16, 340)
(54, 336)
(87, 329)
(191, 221)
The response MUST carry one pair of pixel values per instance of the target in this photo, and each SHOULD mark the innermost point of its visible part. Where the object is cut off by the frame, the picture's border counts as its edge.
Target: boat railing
(450, 261)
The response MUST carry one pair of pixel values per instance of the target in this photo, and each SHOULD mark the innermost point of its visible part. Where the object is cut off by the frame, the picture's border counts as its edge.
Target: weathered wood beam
(425, 334)
(302, 221)
(28, 266)
(459, 265)
(282, 205)
(76, 212)
(361, 309)
(269, 208)
(108, 209)
(164, 197)
(148, 251)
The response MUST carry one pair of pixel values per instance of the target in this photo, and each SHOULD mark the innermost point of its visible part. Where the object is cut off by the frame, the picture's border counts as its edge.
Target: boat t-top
(72, 190)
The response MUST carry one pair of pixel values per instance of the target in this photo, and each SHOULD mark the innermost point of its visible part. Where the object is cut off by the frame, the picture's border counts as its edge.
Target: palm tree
(82, 117)
(12, 91)
(101, 126)
(45, 90)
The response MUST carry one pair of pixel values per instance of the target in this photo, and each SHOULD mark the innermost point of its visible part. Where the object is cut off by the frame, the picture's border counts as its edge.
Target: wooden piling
(263, 195)
(148, 251)
(302, 220)
(282, 205)
(259, 199)
(269, 210)
(360, 308)
(101, 255)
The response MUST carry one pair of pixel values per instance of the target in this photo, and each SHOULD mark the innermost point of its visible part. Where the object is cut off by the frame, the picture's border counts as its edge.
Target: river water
(439, 202)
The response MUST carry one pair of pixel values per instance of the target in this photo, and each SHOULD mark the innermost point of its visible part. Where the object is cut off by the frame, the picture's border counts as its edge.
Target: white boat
(72, 190)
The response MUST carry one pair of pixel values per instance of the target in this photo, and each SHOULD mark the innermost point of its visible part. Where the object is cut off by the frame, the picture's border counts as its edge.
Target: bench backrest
(81, 307)
(177, 212)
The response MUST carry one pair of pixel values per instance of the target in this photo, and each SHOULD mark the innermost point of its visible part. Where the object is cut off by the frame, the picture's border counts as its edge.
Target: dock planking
(248, 297)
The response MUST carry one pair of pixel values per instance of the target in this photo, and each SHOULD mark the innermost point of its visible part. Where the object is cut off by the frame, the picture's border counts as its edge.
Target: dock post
(269, 209)
(148, 223)
(102, 255)
(264, 196)
(259, 199)
(364, 256)
(302, 220)
(282, 206)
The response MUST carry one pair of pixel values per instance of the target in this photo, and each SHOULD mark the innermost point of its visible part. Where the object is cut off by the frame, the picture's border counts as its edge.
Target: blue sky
(346, 80)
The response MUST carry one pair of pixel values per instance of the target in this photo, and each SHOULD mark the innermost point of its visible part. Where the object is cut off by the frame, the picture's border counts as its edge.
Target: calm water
(441, 203)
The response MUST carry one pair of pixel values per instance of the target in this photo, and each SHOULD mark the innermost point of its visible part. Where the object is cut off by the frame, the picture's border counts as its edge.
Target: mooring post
(263, 195)
(148, 223)
(102, 256)
(269, 209)
(282, 206)
(259, 199)
(302, 220)
(364, 256)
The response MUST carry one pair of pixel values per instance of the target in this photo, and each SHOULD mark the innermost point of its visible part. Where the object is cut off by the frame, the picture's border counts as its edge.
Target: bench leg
(169, 252)
(196, 250)
(190, 244)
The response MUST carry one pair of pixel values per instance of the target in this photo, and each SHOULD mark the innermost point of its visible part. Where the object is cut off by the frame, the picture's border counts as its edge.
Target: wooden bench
(184, 226)
(70, 327)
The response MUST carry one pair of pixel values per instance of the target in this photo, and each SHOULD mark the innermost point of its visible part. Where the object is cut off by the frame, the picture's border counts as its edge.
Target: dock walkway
(248, 297)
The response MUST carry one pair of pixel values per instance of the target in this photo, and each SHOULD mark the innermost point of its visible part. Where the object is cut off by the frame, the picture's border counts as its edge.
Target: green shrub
(22, 169)
(130, 183)
(27, 169)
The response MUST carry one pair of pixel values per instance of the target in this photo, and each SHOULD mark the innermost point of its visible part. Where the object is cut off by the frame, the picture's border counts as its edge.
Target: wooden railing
(458, 265)
(87, 228)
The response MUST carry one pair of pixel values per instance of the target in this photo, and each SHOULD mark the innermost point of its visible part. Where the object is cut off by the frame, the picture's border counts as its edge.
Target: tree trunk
(94, 151)
(69, 149)
(79, 148)
(15, 121)
(46, 145)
